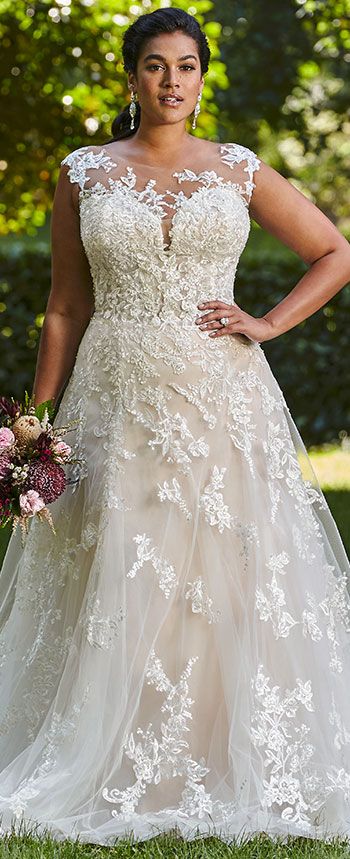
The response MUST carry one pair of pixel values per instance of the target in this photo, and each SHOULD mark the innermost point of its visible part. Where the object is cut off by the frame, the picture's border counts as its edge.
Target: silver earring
(197, 109)
(132, 111)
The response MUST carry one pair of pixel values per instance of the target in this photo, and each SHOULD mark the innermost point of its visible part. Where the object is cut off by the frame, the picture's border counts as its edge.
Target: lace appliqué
(157, 759)
(201, 601)
(168, 430)
(172, 492)
(234, 153)
(271, 609)
(84, 159)
(333, 610)
(167, 578)
(218, 515)
(212, 501)
(276, 727)
(101, 629)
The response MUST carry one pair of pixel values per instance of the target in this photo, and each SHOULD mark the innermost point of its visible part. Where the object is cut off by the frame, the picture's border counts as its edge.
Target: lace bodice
(158, 242)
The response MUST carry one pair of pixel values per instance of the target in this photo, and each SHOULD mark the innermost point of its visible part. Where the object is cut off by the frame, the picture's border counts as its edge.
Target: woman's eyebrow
(159, 57)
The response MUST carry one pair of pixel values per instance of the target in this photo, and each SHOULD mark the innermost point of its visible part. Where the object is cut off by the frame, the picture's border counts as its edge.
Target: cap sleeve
(246, 163)
(84, 159)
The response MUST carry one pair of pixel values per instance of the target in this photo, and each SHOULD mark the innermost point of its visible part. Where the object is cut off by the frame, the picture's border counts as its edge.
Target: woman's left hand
(240, 322)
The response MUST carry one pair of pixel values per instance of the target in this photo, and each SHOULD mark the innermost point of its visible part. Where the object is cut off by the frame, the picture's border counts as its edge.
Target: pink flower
(62, 450)
(30, 503)
(7, 437)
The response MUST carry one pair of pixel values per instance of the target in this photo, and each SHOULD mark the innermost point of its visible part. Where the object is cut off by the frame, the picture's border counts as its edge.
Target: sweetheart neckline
(165, 247)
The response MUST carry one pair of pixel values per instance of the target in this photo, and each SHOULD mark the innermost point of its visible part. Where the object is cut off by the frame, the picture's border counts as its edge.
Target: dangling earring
(132, 110)
(197, 109)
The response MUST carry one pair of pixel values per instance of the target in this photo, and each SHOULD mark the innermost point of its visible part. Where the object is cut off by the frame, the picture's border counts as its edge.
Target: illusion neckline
(207, 177)
(156, 167)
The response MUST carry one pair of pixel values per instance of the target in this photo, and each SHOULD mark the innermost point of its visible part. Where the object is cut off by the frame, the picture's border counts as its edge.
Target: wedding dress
(178, 655)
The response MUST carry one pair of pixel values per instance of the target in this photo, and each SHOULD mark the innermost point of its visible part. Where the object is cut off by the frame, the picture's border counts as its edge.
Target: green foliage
(46, 406)
(310, 361)
(289, 93)
(24, 289)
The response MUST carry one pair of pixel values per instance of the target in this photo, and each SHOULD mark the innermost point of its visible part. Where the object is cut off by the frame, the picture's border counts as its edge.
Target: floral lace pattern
(270, 609)
(287, 747)
(197, 586)
(146, 552)
(201, 601)
(164, 758)
(295, 783)
(100, 628)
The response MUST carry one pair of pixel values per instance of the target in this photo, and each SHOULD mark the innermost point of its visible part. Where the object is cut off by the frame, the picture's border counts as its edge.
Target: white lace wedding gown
(179, 654)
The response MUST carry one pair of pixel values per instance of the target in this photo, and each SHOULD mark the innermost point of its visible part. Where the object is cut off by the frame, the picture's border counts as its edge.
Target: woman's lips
(170, 101)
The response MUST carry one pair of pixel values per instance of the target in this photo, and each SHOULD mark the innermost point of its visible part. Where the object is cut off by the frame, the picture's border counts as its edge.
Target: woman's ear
(131, 81)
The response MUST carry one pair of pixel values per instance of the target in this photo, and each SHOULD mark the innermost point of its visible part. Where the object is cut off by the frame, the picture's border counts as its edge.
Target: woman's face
(168, 66)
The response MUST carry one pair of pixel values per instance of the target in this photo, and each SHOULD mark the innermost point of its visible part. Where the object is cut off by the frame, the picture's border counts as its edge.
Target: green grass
(172, 845)
(332, 467)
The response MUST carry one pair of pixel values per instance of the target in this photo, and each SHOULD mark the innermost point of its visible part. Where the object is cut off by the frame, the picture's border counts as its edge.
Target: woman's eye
(157, 66)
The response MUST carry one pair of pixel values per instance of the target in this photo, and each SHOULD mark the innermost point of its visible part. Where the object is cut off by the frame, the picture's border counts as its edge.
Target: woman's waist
(174, 302)
(162, 336)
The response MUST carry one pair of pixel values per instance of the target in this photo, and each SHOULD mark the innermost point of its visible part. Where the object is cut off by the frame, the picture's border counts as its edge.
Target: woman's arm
(71, 300)
(287, 214)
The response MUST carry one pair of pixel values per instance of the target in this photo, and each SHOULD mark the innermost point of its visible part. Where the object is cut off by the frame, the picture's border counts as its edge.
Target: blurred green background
(279, 82)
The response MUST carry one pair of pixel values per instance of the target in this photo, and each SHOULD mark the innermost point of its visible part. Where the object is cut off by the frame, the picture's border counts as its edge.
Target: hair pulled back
(166, 20)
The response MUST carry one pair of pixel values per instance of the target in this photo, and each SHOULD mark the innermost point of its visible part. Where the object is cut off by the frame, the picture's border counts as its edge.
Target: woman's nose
(171, 77)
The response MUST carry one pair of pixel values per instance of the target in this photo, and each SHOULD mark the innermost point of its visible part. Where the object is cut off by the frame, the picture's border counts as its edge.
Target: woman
(178, 656)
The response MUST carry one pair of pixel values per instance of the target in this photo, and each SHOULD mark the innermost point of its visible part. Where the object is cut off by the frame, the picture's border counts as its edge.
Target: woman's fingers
(215, 303)
(215, 314)
(235, 327)
(214, 324)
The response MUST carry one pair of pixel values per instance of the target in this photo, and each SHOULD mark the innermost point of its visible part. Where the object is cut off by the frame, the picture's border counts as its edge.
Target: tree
(288, 65)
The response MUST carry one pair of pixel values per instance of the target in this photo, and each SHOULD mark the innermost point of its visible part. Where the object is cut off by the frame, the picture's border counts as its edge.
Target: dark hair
(166, 20)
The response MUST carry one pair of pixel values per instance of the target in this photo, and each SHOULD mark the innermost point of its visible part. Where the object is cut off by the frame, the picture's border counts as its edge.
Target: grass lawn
(172, 846)
(332, 467)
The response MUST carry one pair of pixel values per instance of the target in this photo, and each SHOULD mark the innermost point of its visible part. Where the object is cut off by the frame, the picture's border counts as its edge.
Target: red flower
(48, 478)
(11, 408)
(5, 462)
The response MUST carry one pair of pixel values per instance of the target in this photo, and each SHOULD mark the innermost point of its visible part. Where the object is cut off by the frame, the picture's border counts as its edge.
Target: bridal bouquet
(32, 455)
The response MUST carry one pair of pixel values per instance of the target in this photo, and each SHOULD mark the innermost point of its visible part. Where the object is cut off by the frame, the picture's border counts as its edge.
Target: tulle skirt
(178, 655)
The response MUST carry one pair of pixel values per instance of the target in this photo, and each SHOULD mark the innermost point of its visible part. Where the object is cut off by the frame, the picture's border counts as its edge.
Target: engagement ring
(225, 320)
